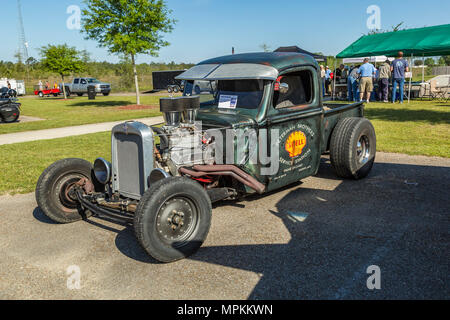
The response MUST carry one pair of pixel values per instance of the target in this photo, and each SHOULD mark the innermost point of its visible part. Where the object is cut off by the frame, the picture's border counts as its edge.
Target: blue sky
(208, 28)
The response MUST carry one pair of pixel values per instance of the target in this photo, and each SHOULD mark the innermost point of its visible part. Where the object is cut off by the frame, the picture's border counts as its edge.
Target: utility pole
(23, 44)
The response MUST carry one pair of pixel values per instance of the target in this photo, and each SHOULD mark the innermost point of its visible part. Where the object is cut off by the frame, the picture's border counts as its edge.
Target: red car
(41, 92)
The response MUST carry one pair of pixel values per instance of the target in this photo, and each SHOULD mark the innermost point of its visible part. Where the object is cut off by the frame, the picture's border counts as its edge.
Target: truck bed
(336, 108)
(333, 113)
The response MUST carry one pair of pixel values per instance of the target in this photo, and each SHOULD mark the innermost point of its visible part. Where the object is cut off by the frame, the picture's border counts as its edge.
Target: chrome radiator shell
(132, 158)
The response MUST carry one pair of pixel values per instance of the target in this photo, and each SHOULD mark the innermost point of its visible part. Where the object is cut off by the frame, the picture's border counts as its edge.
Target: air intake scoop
(174, 109)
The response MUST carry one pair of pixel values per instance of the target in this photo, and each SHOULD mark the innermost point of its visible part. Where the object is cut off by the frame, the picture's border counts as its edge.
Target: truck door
(83, 86)
(75, 85)
(296, 113)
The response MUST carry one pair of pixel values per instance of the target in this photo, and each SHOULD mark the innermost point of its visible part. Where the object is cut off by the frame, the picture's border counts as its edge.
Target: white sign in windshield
(228, 102)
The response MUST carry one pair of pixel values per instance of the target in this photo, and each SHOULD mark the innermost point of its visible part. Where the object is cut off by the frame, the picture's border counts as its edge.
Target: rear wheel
(80, 94)
(41, 94)
(353, 148)
(53, 194)
(106, 94)
(173, 219)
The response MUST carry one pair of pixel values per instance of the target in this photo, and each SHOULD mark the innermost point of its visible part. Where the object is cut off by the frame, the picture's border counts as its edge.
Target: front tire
(353, 148)
(52, 190)
(173, 219)
(12, 118)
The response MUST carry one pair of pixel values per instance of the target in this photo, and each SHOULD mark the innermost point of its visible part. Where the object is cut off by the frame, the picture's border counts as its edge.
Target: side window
(83, 81)
(298, 92)
(76, 81)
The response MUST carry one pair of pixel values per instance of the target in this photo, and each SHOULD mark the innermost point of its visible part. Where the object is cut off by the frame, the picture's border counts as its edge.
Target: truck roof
(277, 60)
(261, 65)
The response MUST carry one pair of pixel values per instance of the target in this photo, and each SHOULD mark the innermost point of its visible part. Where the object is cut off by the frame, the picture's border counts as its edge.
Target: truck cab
(80, 86)
(275, 92)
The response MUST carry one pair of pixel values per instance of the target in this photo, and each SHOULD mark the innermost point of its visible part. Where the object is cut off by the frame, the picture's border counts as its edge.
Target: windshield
(227, 94)
(92, 80)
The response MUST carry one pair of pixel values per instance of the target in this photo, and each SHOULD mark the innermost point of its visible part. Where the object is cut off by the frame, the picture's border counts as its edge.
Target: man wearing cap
(366, 72)
(383, 81)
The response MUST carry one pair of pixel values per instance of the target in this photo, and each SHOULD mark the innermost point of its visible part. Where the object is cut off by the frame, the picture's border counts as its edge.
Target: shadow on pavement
(335, 235)
(397, 218)
(41, 217)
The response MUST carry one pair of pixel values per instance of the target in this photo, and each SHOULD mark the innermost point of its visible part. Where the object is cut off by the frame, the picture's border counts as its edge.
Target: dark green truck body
(315, 119)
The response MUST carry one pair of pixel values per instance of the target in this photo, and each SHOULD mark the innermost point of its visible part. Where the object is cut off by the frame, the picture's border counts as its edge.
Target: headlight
(102, 170)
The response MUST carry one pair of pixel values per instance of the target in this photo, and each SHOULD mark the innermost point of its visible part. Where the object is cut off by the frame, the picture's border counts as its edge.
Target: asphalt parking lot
(313, 240)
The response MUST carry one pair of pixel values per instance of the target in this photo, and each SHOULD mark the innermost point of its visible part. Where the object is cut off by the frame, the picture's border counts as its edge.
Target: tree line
(119, 74)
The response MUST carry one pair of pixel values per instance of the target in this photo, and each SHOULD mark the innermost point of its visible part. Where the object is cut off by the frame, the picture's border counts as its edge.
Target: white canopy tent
(372, 59)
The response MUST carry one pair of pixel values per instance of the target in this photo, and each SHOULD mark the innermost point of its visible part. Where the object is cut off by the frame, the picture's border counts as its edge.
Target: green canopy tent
(419, 42)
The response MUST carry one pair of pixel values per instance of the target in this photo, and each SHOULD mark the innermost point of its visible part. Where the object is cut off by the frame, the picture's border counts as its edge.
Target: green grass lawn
(417, 128)
(420, 128)
(77, 111)
(23, 163)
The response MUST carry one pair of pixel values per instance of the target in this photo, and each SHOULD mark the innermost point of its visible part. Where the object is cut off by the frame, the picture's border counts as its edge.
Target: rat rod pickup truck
(261, 126)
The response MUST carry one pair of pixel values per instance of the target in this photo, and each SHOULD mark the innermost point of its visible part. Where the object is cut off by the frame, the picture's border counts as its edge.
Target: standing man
(398, 69)
(352, 84)
(367, 72)
(327, 79)
(322, 78)
(383, 81)
(338, 72)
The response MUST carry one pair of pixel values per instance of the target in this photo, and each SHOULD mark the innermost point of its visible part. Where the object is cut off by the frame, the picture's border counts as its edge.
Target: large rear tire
(52, 190)
(353, 148)
(173, 219)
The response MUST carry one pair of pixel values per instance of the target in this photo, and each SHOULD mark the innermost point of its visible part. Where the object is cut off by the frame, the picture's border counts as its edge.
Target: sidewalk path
(48, 134)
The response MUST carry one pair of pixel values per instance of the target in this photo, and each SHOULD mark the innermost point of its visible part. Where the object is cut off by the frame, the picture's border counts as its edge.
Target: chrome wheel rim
(363, 150)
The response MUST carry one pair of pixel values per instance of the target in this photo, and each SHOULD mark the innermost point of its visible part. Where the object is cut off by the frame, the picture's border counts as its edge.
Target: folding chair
(433, 91)
(441, 92)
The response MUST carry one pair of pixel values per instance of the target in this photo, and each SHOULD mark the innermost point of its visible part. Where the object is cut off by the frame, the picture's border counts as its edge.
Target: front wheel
(353, 148)
(41, 94)
(12, 118)
(173, 219)
(53, 194)
(80, 94)
(106, 94)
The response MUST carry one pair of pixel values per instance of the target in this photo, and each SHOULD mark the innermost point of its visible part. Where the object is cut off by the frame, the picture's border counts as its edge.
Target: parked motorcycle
(9, 107)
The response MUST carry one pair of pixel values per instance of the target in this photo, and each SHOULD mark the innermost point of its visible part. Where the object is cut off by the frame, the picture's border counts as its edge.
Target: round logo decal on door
(295, 143)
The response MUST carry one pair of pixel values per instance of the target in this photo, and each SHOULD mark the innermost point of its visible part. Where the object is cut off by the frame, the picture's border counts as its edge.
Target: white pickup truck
(79, 86)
